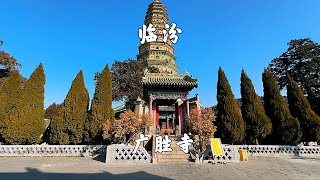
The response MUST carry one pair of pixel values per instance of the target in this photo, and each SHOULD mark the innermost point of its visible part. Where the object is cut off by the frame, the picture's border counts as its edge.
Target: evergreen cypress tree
(58, 130)
(68, 126)
(258, 124)
(300, 108)
(26, 124)
(32, 107)
(9, 96)
(101, 107)
(231, 127)
(286, 128)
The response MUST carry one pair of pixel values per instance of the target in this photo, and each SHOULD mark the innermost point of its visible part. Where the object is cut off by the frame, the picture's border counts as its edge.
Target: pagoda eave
(189, 86)
(162, 80)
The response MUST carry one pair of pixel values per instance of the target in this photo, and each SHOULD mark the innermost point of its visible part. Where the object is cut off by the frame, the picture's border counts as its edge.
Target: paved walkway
(60, 168)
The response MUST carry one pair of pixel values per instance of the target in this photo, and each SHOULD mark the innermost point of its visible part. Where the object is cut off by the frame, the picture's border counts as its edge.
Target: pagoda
(165, 92)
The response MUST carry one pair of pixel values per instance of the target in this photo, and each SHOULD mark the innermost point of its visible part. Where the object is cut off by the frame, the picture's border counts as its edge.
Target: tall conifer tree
(32, 107)
(258, 124)
(26, 121)
(58, 131)
(9, 96)
(286, 128)
(101, 107)
(300, 108)
(230, 125)
(68, 126)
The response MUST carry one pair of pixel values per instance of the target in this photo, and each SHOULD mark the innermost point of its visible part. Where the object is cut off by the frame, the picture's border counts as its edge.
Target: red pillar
(155, 114)
(180, 109)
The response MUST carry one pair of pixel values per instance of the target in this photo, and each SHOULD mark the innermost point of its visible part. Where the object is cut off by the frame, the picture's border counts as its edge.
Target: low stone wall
(268, 150)
(52, 150)
(123, 154)
(230, 155)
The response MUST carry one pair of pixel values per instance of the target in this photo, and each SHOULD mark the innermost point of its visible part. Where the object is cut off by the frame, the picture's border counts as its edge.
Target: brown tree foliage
(52, 111)
(107, 127)
(8, 64)
(128, 124)
(201, 122)
(146, 120)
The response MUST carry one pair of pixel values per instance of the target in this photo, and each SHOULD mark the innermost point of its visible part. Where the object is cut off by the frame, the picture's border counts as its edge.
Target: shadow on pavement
(305, 158)
(100, 158)
(36, 174)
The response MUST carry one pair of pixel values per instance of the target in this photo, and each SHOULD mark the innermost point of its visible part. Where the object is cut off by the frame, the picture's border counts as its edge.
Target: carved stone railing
(124, 154)
(230, 155)
(52, 150)
(269, 150)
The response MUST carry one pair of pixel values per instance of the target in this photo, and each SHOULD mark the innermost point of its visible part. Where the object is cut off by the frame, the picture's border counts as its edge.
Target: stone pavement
(61, 168)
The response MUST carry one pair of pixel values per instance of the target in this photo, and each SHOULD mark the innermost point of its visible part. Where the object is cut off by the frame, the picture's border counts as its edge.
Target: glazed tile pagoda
(166, 92)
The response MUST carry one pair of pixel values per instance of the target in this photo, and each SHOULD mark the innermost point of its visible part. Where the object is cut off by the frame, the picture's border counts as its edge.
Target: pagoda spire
(158, 54)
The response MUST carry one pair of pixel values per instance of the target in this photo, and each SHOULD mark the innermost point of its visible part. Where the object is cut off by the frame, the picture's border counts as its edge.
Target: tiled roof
(169, 80)
(120, 108)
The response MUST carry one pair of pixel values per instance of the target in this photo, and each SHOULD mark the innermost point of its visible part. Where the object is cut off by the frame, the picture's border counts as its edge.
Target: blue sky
(80, 34)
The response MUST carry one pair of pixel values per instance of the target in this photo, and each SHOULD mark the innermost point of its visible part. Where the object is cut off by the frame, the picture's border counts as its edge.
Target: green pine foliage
(258, 124)
(301, 61)
(231, 126)
(101, 108)
(32, 108)
(286, 128)
(9, 96)
(68, 126)
(58, 131)
(25, 122)
(300, 108)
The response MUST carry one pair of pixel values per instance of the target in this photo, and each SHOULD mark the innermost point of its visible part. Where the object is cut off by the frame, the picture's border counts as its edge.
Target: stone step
(172, 160)
(181, 156)
(175, 149)
(175, 156)
(173, 145)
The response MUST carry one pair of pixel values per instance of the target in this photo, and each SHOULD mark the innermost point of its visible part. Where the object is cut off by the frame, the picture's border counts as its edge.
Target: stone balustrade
(270, 150)
(230, 155)
(52, 150)
(123, 153)
(118, 153)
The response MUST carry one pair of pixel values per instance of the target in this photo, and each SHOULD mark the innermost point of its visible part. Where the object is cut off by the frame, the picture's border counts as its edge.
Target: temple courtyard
(61, 168)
